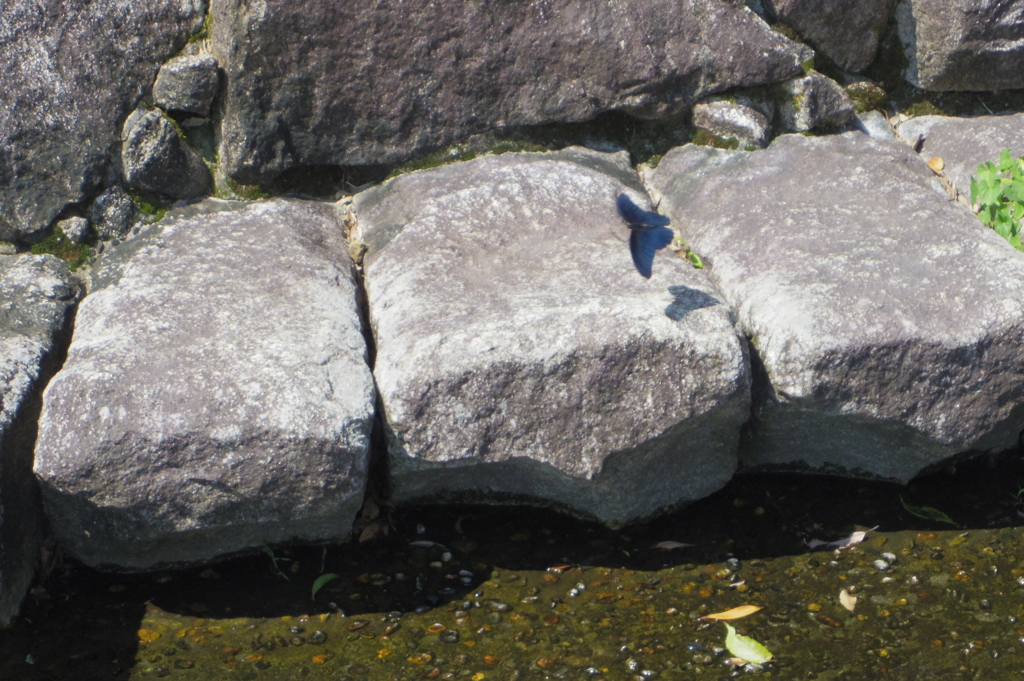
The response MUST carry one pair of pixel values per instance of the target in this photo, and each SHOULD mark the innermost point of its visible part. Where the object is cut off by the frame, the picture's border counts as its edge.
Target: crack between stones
(377, 506)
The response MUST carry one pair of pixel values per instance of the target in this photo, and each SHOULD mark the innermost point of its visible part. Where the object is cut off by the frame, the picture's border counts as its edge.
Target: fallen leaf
(853, 539)
(928, 513)
(669, 545)
(738, 584)
(847, 601)
(733, 613)
(936, 164)
(322, 580)
(746, 648)
(371, 531)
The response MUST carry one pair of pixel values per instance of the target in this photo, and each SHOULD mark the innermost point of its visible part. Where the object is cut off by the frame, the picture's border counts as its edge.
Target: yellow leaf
(148, 635)
(734, 613)
(936, 164)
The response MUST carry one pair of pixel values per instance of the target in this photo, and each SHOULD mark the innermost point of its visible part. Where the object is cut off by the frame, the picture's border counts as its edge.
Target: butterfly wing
(635, 215)
(644, 242)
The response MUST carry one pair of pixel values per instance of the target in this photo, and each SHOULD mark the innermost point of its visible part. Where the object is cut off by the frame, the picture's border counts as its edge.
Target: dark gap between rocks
(25, 529)
(375, 515)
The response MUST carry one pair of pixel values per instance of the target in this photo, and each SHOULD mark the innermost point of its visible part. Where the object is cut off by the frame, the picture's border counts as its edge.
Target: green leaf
(1006, 163)
(322, 580)
(745, 647)
(928, 513)
(1014, 192)
(695, 259)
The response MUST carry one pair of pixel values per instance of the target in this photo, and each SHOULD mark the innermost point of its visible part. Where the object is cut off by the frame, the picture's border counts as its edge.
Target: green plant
(58, 244)
(321, 581)
(928, 513)
(205, 30)
(998, 196)
(153, 208)
(274, 560)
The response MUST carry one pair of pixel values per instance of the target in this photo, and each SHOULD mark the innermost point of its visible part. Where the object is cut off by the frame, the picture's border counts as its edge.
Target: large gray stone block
(973, 45)
(383, 81)
(521, 356)
(847, 32)
(216, 394)
(886, 321)
(72, 71)
(36, 293)
(965, 143)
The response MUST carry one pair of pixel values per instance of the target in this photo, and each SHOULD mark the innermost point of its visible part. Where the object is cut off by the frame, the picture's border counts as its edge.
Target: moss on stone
(230, 189)
(458, 153)
(205, 31)
(58, 244)
(866, 95)
(705, 138)
(923, 108)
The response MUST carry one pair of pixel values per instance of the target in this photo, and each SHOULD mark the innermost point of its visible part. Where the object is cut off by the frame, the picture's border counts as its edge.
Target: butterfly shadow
(685, 300)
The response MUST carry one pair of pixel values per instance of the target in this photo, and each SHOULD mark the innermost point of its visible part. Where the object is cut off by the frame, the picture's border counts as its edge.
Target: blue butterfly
(648, 233)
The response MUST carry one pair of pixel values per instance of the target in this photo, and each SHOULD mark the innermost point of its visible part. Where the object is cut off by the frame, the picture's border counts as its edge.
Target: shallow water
(512, 593)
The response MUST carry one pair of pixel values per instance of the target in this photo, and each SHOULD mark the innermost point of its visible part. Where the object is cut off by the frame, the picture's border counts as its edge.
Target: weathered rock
(813, 102)
(974, 45)
(965, 143)
(520, 355)
(71, 72)
(866, 95)
(728, 119)
(216, 394)
(157, 159)
(35, 294)
(874, 124)
(846, 32)
(887, 321)
(113, 213)
(386, 80)
(75, 228)
(187, 83)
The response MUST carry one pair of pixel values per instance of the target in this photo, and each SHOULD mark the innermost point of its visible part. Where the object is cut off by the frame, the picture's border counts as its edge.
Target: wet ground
(480, 593)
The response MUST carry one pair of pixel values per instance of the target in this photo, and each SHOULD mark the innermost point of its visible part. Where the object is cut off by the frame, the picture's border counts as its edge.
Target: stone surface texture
(216, 394)
(887, 321)
(973, 45)
(386, 80)
(187, 83)
(36, 292)
(75, 228)
(965, 143)
(71, 72)
(846, 32)
(521, 357)
(113, 213)
(731, 119)
(813, 102)
(874, 124)
(156, 159)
